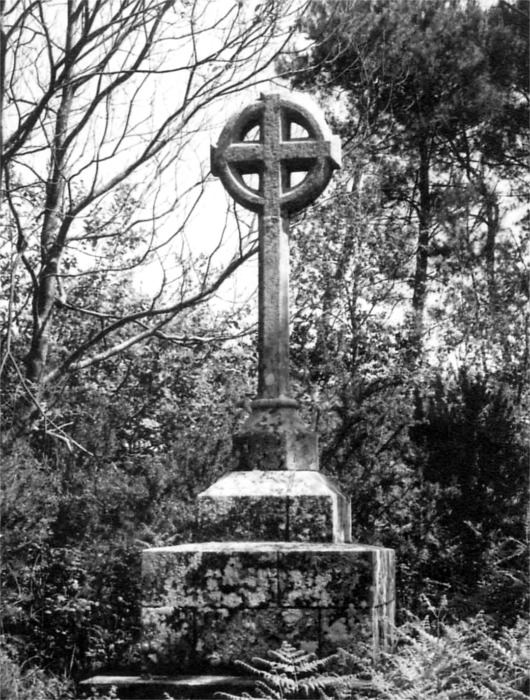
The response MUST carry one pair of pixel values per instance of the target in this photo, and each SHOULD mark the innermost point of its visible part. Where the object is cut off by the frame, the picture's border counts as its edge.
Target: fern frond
(254, 670)
(267, 692)
(230, 696)
(468, 660)
(290, 672)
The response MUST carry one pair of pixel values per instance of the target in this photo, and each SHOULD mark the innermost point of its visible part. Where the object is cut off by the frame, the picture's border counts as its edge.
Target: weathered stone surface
(276, 155)
(346, 628)
(211, 604)
(206, 577)
(384, 604)
(275, 438)
(199, 641)
(277, 563)
(188, 687)
(245, 518)
(326, 579)
(296, 506)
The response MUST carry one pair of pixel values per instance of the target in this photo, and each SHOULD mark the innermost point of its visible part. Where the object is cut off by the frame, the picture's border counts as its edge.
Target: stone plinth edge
(286, 506)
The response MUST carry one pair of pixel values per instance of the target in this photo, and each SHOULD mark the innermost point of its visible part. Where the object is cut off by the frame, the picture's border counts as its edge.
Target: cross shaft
(273, 303)
(273, 158)
(274, 437)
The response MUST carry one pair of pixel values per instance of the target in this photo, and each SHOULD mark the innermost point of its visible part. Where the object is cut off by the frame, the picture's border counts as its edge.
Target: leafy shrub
(75, 520)
(74, 611)
(436, 468)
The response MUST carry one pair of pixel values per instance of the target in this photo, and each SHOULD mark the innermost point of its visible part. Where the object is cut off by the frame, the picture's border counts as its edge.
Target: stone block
(384, 603)
(169, 633)
(191, 576)
(275, 439)
(349, 628)
(200, 641)
(325, 579)
(207, 605)
(295, 506)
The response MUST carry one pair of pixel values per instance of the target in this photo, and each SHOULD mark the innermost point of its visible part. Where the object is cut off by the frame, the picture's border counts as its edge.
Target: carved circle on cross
(274, 138)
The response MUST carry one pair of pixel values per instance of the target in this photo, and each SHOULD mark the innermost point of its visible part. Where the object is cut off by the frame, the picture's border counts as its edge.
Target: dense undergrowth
(74, 525)
(470, 660)
(449, 494)
(22, 681)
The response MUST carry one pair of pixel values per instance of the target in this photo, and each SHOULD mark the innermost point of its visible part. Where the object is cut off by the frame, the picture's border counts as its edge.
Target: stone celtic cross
(262, 140)
(273, 556)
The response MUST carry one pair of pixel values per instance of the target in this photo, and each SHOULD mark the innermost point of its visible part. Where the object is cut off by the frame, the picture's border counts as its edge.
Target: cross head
(274, 157)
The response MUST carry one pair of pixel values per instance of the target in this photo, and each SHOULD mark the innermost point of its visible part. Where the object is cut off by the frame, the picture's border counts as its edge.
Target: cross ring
(275, 155)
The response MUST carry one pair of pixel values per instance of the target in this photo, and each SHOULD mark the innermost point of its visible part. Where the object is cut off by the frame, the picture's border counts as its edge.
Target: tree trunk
(52, 237)
(422, 252)
(491, 218)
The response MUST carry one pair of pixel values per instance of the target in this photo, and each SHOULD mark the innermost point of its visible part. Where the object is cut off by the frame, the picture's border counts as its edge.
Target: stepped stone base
(288, 506)
(208, 605)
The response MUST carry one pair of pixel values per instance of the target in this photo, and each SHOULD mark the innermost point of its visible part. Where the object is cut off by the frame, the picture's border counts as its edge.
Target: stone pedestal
(208, 605)
(273, 561)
